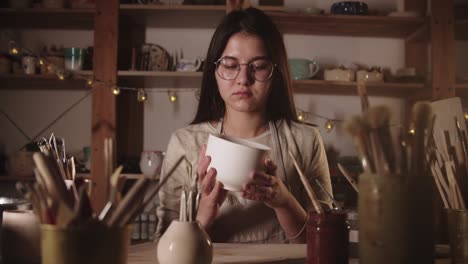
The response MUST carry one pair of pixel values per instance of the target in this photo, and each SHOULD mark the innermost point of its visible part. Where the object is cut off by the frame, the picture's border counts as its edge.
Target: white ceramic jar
(185, 243)
(150, 162)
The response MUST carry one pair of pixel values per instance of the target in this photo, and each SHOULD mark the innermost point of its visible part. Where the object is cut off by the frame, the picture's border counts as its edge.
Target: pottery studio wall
(32, 110)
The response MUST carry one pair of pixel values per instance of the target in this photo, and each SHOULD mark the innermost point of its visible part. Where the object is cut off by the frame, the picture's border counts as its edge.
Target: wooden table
(241, 253)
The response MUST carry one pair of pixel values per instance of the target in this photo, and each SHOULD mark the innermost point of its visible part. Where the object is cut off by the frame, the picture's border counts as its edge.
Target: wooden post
(442, 49)
(104, 102)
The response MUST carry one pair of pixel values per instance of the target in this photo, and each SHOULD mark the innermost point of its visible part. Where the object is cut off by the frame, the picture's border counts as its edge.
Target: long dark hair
(280, 103)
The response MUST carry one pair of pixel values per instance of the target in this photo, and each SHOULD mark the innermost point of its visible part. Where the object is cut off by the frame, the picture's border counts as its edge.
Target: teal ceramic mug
(74, 58)
(303, 68)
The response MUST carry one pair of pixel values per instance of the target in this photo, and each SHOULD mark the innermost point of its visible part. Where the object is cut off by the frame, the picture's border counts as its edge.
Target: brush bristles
(422, 115)
(379, 116)
(355, 126)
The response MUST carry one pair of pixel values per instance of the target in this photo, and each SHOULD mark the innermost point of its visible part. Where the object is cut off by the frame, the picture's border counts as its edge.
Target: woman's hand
(212, 192)
(266, 187)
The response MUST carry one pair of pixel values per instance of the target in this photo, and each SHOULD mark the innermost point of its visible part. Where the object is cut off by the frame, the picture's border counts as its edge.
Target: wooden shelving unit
(288, 22)
(12, 178)
(40, 82)
(461, 29)
(132, 176)
(402, 90)
(61, 18)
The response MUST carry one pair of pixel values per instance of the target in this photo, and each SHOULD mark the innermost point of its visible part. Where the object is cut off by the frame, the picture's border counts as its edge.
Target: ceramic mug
(29, 64)
(303, 68)
(189, 65)
(74, 58)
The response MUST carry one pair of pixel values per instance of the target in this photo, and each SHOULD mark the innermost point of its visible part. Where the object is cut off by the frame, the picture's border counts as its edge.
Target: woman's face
(244, 93)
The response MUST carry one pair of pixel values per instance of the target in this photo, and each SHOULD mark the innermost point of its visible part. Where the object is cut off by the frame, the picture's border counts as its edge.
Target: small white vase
(185, 243)
(150, 162)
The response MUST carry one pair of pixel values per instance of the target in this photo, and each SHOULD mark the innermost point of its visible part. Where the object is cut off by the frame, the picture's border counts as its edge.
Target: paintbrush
(378, 118)
(334, 204)
(356, 127)
(348, 177)
(305, 182)
(422, 117)
(128, 201)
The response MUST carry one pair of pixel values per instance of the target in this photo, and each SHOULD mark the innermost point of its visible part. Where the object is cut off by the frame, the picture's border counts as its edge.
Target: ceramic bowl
(349, 8)
(234, 159)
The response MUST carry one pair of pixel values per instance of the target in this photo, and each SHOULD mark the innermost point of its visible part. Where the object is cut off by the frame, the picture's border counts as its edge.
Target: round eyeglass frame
(239, 67)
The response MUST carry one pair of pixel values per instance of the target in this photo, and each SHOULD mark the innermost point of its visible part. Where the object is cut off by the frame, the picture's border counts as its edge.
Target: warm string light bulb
(172, 96)
(12, 48)
(116, 90)
(61, 75)
(90, 82)
(41, 62)
(329, 125)
(466, 116)
(141, 97)
(300, 115)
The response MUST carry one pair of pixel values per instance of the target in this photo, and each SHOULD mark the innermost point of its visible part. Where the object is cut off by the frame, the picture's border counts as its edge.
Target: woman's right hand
(212, 192)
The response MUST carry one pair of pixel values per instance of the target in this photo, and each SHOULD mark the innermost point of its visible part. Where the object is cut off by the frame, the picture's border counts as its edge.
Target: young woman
(246, 93)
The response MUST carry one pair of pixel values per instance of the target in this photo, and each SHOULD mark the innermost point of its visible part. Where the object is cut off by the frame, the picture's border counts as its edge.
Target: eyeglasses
(228, 68)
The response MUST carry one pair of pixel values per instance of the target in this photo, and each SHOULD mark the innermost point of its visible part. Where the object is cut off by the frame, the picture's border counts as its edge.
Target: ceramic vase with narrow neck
(185, 243)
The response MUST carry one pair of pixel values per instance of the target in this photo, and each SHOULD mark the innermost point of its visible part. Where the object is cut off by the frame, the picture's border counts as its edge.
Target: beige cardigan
(243, 220)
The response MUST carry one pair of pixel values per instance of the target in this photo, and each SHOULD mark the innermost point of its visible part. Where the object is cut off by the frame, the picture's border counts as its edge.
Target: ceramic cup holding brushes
(72, 231)
(395, 190)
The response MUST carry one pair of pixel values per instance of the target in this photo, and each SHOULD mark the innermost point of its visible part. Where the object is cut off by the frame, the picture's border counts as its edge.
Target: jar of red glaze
(327, 238)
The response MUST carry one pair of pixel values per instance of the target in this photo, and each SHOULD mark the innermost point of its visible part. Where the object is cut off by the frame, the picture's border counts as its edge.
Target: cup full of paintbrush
(395, 190)
(72, 230)
(458, 235)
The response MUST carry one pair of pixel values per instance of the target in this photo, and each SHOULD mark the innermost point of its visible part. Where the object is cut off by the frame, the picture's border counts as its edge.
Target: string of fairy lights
(142, 93)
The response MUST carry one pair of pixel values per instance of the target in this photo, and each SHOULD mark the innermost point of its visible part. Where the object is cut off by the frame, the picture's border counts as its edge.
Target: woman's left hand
(266, 187)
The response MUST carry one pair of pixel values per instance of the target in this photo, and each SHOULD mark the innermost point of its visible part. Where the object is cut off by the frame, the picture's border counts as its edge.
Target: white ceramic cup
(234, 159)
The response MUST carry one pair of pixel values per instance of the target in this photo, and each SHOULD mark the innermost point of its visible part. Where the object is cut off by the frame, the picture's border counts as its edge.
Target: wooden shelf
(39, 82)
(463, 86)
(133, 176)
(402, 90)
(60, 18)
(12, 178)
(158, 74)
(288, 22)
(347, 25)
(301, 86)
(461, 29)
(165, 7)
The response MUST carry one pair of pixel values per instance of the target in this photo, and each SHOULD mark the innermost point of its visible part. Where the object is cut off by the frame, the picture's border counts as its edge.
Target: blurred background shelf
(59, 18)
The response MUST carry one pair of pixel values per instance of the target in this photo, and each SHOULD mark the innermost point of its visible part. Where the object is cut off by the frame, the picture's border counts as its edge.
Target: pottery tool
(114, 194)
(305, 182)
(362, 92)
(128, 201)
(348, 177)
(54, 183)
(183, 206)
(334, 204)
